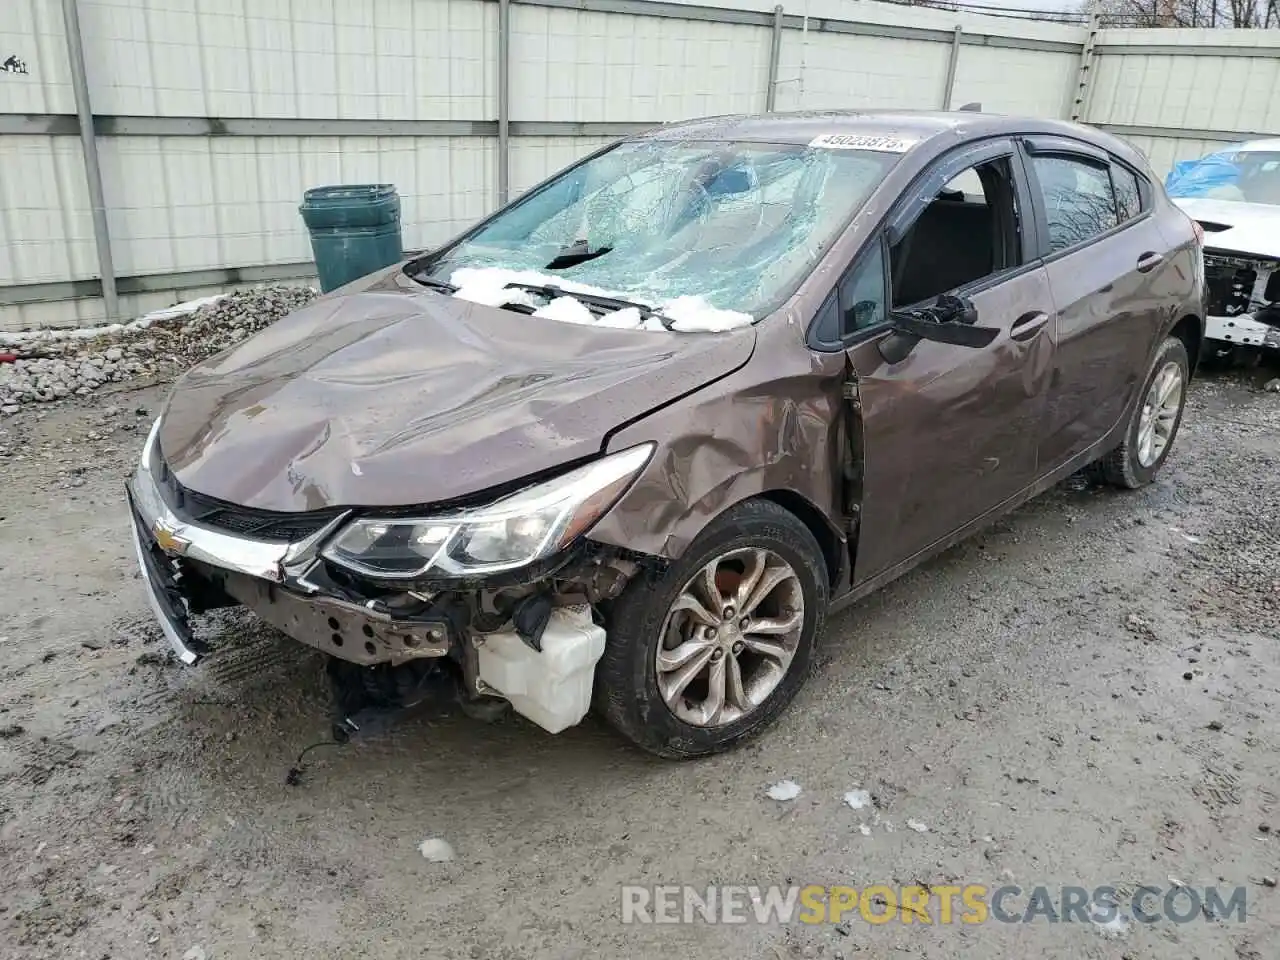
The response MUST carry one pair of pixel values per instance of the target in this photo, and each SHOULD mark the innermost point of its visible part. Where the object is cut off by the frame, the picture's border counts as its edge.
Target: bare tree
(1240, 14)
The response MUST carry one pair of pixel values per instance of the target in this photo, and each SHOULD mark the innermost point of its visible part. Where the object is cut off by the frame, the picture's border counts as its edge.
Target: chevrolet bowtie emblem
(168, 540)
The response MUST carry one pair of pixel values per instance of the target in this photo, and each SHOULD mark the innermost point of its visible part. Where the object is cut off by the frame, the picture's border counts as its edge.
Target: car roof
(802, 126)
(1271, 145)
(920, 126)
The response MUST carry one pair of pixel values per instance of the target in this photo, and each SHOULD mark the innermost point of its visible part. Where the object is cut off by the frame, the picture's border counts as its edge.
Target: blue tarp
(1196, 178)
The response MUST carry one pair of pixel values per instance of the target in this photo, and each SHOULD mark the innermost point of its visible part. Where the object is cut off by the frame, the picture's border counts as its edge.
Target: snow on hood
(491, 286)
(1252, 228)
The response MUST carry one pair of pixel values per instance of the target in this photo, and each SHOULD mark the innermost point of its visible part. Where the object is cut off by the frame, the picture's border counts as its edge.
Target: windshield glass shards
(691, 235)
(1249, 176)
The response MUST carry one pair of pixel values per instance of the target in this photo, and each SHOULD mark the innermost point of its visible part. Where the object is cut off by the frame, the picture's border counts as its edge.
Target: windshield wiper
(575, 253)
(433, 283)
(601, 303)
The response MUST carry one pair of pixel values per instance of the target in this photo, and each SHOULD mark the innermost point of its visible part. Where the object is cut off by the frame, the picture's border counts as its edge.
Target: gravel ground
(54, 364)
(1085, 695)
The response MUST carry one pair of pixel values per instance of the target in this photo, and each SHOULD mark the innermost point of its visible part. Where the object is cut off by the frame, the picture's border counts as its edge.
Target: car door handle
(1028, 325)
(1149, 261)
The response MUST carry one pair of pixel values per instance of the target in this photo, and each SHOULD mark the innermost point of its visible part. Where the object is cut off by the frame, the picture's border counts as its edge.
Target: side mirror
(952, 320)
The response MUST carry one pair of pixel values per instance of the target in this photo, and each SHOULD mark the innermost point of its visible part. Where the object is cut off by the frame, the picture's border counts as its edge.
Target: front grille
(195, 507)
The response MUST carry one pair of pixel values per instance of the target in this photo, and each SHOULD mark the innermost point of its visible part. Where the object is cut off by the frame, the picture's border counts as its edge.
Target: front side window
(969, 230)
(737, 224)
(1079, 201)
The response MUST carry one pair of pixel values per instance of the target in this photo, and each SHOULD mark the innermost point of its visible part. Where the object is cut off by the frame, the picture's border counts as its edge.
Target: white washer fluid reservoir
(552, 687)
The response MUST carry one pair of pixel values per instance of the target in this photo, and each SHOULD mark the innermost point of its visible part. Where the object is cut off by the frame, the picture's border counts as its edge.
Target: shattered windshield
(705, 235)
(1249, 176)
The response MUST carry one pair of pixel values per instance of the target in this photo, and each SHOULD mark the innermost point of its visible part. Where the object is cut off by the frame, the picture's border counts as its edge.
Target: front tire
(710, 652)
(1154, 423)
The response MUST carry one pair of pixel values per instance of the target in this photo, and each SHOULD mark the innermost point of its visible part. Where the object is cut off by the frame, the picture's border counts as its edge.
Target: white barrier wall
(1178, 101)
(213, 116)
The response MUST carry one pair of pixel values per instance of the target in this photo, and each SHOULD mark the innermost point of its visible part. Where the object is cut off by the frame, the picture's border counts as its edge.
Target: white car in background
(1234, 194)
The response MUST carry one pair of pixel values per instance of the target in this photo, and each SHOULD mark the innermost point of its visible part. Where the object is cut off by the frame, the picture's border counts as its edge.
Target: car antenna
(971, 107)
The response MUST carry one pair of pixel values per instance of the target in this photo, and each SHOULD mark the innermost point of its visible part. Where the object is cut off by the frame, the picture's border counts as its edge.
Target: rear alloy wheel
(713, 649)
(1154, 422)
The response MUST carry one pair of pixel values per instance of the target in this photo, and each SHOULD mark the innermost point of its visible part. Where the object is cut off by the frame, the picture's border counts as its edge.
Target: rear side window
(1128, 192)
(1079, 201)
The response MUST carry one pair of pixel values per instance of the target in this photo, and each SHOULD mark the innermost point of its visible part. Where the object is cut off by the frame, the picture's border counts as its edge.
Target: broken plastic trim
(575, 253)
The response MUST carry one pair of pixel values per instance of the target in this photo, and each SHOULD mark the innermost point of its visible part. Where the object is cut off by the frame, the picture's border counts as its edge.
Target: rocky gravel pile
(56, 364)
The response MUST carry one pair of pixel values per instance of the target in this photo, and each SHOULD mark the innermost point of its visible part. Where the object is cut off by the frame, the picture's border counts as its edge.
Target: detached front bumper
(182, 562)
(539, 655)
(163, 595)
(163, 541)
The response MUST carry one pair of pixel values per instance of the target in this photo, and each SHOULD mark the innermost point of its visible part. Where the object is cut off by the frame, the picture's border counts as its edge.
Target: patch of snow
(1112, 929)
(499, 278)
(436, 850)
(184, 309)
(490, 286)
(626, 319)
(917, 826)
(864, 830)
(783, 790)
(195, 953)
(858, 799)
(695, 315)
(567, 310)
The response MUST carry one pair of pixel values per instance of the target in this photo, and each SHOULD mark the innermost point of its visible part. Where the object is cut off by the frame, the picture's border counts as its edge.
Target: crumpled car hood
(392, 398)
(1252, 228)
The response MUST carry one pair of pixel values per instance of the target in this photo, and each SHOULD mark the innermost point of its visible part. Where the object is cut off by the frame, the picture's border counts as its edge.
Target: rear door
(949, 432)
(1110, 275)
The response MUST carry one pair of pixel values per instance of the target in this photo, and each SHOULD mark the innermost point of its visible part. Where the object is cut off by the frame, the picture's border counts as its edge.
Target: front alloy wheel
(730, 637)
(710, 651)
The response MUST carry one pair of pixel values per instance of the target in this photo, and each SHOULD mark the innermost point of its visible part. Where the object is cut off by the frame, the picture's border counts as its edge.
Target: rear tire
(758, 656)
(1153, 425)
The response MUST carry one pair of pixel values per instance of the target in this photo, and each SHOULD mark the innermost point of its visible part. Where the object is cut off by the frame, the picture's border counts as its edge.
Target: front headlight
(517, 530)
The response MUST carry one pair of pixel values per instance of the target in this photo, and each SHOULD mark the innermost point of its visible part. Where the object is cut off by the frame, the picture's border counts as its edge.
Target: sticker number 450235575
(863, 141)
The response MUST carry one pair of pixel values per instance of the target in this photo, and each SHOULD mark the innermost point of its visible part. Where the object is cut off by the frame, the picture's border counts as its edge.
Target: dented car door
(949, 431)
(1112, 273)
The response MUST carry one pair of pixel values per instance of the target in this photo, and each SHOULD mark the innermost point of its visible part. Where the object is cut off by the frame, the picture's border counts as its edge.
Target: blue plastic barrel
(355, 230)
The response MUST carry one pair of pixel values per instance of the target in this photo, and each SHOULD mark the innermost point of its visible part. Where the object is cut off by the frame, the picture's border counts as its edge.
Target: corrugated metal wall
(1175, 102)
(213, 116)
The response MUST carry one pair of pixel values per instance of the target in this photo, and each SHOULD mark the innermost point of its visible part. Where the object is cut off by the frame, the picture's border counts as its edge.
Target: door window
(969, 230)
(1079, 201)
(1128, 193)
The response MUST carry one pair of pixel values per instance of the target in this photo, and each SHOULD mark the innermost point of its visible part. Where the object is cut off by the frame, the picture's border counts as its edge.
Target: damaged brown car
(630, 439)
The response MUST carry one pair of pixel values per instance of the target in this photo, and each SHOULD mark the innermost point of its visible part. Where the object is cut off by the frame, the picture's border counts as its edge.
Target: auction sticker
(863, 141)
